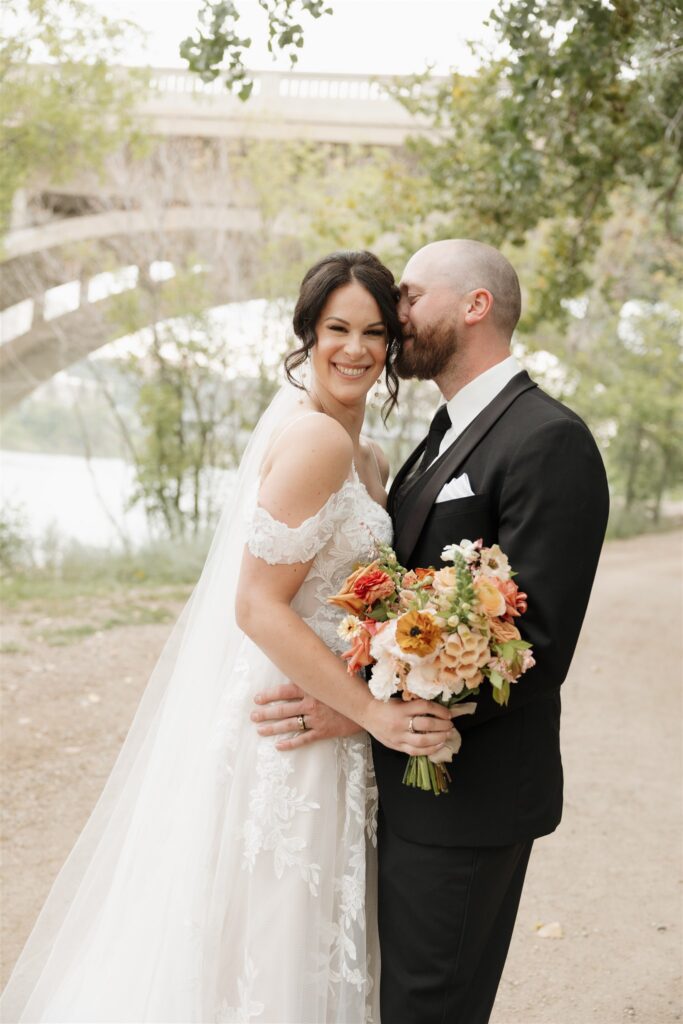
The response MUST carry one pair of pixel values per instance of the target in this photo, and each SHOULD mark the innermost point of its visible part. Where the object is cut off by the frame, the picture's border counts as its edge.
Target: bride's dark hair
(334, 271)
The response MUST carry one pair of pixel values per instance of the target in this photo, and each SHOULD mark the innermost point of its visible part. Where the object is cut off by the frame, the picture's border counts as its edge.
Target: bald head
(466, 265)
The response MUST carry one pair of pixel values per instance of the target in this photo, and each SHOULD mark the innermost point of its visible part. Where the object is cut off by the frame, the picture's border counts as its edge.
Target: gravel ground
(608, 883)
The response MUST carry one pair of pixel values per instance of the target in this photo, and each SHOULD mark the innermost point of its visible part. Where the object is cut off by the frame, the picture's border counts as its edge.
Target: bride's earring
(378, 395)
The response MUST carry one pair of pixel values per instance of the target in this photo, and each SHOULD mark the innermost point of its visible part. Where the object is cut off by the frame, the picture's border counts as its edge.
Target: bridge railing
(281, 84)
(295, 97)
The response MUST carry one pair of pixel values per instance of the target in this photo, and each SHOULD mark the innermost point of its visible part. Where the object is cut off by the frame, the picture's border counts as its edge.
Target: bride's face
(351, 346)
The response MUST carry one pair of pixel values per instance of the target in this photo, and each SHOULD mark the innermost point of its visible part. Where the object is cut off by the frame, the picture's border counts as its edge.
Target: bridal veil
(141, 872)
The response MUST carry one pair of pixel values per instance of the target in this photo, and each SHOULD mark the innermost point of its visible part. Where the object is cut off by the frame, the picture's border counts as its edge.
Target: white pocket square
(459, 488)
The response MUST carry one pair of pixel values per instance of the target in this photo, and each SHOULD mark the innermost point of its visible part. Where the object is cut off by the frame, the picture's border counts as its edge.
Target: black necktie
(437, 429)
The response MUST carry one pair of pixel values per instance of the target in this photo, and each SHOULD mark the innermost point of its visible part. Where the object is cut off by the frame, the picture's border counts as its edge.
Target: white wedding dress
(221, 879)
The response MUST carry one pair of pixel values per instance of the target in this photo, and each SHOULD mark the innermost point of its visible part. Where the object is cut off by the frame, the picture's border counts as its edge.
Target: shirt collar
(470, 400)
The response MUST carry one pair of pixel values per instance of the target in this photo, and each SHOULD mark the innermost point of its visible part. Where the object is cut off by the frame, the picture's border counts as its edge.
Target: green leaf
(501, 694)
(496, 679)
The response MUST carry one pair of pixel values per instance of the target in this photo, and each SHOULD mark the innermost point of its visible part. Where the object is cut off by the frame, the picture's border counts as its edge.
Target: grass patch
(138, 615)
(12, 648)
(67, 635)
(163, 567)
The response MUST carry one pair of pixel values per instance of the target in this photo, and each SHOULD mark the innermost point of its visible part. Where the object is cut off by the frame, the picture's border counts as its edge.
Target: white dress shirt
(467, 403)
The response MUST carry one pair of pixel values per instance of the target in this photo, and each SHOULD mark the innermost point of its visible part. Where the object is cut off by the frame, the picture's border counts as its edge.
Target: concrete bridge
(69, 234)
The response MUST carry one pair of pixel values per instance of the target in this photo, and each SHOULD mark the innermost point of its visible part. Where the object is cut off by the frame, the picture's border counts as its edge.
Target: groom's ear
(478, 305)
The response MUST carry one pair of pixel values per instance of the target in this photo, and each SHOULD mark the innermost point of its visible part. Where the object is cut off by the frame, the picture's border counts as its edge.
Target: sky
(361, 37)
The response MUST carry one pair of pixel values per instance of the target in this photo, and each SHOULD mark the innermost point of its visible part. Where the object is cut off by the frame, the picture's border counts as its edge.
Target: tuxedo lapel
(419, 500)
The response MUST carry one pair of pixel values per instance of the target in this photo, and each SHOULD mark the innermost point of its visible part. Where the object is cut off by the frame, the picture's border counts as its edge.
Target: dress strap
(375, 460)
(277, 434)
(311, 412)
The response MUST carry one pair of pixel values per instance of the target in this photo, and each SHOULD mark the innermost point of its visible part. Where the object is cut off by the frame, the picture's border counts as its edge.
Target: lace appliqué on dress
(249, 1008)
(274, 806)
(279, 544)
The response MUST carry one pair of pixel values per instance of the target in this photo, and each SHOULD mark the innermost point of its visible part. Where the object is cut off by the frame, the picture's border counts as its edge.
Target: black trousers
(446, 916)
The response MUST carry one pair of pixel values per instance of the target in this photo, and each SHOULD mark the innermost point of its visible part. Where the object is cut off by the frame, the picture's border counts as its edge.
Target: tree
(217, 38)
(586, 101)
(64, 105)
(194, 413)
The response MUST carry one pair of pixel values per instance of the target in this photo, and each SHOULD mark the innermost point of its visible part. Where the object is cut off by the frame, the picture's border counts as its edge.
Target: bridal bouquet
(438, 634)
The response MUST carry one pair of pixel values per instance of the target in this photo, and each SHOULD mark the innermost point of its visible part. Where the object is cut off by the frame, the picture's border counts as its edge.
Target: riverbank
(610, 877)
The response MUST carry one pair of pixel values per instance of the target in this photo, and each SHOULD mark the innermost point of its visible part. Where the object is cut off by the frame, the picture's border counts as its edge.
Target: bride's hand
(390, 723)
(321, 721)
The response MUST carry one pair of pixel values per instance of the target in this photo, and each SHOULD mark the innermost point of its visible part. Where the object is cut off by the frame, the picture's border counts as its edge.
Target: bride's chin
(351, 400)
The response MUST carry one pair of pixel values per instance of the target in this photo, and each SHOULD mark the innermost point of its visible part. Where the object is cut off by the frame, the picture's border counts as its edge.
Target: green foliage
(64, 105)
(217, 38)
(621, 353)
(15, 548)
(586, 101)
(193, 414)
(162, 569)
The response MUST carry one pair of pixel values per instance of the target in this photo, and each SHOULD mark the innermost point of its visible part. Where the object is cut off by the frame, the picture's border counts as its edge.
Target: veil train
(143, 872)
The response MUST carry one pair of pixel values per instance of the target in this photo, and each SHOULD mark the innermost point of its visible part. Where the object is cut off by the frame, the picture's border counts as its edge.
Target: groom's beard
(429, 352)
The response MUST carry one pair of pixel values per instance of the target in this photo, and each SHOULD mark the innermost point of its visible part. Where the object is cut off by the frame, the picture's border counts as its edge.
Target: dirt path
(611, 876)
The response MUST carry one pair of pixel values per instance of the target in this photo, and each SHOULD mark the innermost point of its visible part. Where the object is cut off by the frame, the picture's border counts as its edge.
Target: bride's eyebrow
(376, 323)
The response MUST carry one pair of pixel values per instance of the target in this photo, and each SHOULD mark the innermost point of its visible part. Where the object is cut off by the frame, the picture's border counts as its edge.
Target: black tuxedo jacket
(540, 491)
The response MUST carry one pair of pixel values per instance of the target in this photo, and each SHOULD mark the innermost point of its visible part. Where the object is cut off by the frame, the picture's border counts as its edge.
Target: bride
(220, 878)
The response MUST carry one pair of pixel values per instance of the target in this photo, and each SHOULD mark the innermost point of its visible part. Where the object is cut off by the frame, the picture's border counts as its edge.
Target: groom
(505, 462)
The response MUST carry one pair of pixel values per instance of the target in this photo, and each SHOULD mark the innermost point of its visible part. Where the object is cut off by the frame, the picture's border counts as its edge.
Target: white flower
(494, 562)
(528, 661)
(469, 549)
(384, 678)
(349, 627)
(384, 641)
(423, 679)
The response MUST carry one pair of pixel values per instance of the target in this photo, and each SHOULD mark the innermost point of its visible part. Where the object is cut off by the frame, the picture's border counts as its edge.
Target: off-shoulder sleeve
(279, 544)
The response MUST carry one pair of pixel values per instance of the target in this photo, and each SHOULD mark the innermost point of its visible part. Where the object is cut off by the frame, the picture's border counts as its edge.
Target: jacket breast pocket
(463, 518)
(475, 505)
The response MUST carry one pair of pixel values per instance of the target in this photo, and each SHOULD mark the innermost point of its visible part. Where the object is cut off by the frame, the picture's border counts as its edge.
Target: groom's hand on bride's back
(279, 709)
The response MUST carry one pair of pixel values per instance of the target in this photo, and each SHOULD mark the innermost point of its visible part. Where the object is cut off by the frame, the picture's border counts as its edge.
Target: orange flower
(373, 585)
(504, 631)
(347, 598)
(422, 575)
(515, 599)
(358, 656)
(417, 633)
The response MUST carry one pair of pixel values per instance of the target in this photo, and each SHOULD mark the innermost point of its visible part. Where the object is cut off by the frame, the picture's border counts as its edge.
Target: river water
(73, 499)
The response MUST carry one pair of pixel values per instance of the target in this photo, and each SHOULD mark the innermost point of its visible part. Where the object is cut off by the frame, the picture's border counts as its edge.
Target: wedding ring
(411, 727)
(302, 724)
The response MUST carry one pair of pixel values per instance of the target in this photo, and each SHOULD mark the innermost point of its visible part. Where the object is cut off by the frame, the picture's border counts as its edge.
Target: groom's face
(428, 312)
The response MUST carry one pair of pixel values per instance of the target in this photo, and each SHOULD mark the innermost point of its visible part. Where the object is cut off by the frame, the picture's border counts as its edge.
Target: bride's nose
(355, 345)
